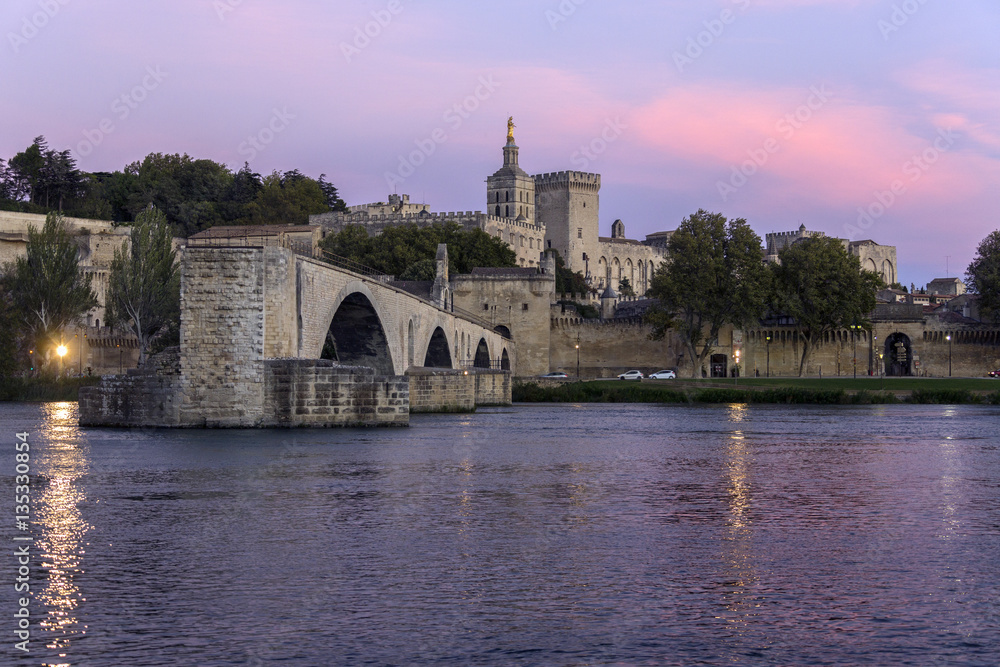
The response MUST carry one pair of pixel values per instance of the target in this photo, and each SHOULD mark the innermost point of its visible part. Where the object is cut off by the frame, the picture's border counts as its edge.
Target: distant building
(880, 259)
(949, 286)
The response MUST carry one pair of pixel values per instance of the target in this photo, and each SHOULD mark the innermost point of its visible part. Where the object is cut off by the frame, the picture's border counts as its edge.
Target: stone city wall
(608, 348)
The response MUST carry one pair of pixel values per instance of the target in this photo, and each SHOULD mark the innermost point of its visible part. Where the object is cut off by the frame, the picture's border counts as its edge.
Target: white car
(663, 375)
(631, 375)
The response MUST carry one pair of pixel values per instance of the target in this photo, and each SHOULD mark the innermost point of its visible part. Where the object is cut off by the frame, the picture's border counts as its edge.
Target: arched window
(508, 195)
(498, 207)
(506, 211)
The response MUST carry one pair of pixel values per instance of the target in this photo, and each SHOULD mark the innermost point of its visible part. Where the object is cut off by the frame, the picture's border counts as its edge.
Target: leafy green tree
(28, 166)
(715, 275)
(625, 287)
(48, 290)
(983, 277)
(10, 337)
(288, 198)
(567, 281)
(401, 247)
(331, 194)
(823, 288)
(144, 287)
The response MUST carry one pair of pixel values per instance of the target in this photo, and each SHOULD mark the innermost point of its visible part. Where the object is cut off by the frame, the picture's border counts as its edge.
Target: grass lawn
(846, 383)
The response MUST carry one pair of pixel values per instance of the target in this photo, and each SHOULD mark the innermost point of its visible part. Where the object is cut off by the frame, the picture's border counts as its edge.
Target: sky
(858, 118)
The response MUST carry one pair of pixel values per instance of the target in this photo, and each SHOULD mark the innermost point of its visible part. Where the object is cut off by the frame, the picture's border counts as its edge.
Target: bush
(43, 388)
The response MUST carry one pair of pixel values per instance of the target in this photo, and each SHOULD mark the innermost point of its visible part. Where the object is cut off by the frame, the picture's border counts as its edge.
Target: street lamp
(854, 348)
(948, 338)
(578, 358)
(61, 351)
(736, 376)
(768, 356)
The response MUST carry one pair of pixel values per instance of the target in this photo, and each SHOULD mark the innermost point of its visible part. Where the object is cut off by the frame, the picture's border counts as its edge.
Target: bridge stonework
(254, 323)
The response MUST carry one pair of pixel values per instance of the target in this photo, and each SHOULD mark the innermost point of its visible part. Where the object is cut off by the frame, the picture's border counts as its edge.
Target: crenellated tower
(568, 204)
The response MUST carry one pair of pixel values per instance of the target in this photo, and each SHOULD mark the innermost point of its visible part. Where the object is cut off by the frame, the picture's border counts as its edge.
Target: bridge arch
(505, 361)
(356, 335)
(438, 351)
(482, 359)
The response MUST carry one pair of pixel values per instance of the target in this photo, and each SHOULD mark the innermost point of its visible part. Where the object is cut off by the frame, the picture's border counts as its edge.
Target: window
(579, 232)
(486, 306)
(524, 306)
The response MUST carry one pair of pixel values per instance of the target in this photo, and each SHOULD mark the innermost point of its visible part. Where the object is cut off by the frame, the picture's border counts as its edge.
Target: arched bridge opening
(482, 359)
(438, 353)
(356, 336)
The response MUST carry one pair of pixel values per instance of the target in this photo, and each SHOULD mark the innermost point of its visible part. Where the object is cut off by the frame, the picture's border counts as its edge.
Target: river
(531, 535)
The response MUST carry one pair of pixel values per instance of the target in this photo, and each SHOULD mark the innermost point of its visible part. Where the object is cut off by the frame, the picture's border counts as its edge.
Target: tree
(288, 198)
(715, 275)
(625, 288)
(333, 199)
(567, 281)
(983, 277)
(400, 250)
(48, 290)
(823, 288)
(144, 287)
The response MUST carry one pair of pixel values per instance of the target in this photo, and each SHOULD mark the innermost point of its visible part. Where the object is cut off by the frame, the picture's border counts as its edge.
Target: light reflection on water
(60, 526)
(534, 535)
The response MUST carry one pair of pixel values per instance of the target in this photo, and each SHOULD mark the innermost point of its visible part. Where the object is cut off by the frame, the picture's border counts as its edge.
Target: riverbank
(44, 389)
(835, 391)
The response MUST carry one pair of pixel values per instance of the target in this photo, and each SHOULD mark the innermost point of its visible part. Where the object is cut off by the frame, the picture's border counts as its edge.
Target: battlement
(795, 234)
(558, 178)
(464, 218)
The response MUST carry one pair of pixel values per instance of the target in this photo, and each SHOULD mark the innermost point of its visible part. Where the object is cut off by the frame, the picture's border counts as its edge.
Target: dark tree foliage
(983, 277)
(331, 194)
(397, 249)
(567, 281)
(715, 276)
(144, 286)
(10, 332)
(823, 288)
(194, 194)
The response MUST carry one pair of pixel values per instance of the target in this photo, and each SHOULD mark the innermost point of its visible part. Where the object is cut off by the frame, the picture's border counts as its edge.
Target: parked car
(554, 374)
(995, 374)
(663, 375)
(631, 375)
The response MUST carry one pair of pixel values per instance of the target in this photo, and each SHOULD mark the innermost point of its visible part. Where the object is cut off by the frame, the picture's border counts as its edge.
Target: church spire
(510, 150)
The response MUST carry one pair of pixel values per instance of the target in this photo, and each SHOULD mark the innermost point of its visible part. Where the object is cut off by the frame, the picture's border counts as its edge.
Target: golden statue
(510, 129)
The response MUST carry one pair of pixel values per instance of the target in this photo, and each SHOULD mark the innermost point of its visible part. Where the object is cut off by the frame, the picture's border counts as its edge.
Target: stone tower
(567, 203)
(510, 192)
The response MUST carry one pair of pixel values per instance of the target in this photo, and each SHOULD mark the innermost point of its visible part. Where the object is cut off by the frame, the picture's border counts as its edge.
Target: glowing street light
(736, 377)
(948, 338)
(61, 351)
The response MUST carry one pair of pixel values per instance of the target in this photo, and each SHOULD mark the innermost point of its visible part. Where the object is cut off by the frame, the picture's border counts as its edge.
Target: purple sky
(780, 111)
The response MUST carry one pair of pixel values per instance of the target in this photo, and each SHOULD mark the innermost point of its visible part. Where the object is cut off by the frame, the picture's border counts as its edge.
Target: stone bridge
(273, 338)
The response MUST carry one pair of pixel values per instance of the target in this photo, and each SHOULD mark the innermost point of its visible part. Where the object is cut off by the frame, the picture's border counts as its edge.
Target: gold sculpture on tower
(510, 129)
